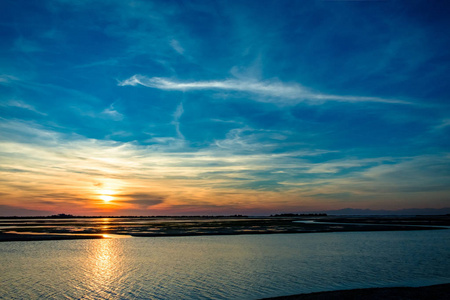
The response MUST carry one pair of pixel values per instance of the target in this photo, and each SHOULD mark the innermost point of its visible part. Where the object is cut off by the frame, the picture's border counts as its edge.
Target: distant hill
(410, 211)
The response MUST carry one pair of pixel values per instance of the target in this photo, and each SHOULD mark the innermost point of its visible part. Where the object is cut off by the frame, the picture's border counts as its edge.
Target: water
(222, 267)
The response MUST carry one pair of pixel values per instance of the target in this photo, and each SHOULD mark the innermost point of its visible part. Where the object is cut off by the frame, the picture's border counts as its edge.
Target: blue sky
(222, 107)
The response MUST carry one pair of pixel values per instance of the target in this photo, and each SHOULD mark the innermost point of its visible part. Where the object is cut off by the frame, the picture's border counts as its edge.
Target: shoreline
(435, 292)
(19, 237)
(10, 237)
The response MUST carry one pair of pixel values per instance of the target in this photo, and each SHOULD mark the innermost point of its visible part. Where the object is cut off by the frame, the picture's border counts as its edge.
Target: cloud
(143, 200)
(23, 105)
(67, 169)
(176, 119)
(20, 104)
(66, 159)
(271, 91)
(7, 78)
(443, 124)
(249, 139)
(176, 46)
(384, 183)
(112, 113)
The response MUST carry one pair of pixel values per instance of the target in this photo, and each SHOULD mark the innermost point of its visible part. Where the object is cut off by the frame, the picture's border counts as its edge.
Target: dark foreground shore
(434, 292)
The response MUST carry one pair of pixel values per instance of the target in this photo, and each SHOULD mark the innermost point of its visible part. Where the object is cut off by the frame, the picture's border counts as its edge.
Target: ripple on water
(221, 267)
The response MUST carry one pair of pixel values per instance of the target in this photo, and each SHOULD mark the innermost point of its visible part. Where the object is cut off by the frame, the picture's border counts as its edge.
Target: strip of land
(435, 292)
(31, 229)
(10, 237)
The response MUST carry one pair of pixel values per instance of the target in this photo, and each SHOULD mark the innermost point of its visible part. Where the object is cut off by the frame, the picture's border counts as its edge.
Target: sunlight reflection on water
(102, 270)
(104, 262)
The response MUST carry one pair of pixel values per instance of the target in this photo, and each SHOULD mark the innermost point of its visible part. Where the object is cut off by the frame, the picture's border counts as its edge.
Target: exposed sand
(434, 292)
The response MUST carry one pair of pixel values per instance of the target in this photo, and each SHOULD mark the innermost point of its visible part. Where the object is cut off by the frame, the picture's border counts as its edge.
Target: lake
(222, 267)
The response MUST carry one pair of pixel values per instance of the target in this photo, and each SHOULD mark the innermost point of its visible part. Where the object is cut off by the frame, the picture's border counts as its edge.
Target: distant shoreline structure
(69, 216)
(341, 212)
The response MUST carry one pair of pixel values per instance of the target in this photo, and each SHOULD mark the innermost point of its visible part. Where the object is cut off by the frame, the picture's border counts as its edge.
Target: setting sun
(106, 198)
(106, 195)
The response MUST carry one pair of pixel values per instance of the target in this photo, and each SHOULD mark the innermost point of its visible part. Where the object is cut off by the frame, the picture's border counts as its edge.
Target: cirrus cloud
(271, 91)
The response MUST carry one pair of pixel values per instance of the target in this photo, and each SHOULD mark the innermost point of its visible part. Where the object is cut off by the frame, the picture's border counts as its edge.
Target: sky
(223, 107)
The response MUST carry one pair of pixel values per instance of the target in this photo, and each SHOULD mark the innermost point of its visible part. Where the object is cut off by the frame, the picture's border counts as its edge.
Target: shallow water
(222, 267)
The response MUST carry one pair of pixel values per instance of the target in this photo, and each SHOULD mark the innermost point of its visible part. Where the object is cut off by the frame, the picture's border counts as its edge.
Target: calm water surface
(222, 267)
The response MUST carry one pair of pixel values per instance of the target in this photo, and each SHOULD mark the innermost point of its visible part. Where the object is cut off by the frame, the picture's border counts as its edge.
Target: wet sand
(434, 292)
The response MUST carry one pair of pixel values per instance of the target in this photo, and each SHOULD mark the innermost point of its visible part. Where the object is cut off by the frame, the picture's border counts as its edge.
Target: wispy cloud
(77, 168)
(21, 104)
(176, 46)
(442, 125)
(5, 78)
(112, 113)
(70, 171)
(176, 119)
(271, 91)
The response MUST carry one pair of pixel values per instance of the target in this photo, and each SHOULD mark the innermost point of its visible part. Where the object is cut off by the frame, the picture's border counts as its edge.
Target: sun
(106, 195)
(106, 198)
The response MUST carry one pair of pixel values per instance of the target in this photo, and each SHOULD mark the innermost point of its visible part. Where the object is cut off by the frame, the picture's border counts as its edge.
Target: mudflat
(31, 229)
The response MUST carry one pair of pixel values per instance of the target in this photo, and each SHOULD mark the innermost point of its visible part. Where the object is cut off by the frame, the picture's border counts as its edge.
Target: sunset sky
(133, 107)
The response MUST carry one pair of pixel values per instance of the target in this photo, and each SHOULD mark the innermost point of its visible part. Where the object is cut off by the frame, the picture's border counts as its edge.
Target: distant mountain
(409, 211)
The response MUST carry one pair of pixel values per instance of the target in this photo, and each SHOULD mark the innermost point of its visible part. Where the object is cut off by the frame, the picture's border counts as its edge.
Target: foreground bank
(435, 292)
